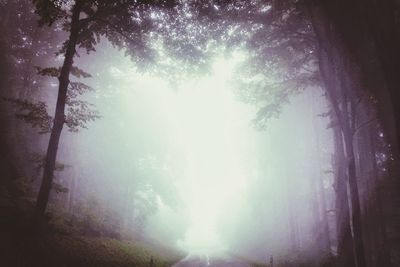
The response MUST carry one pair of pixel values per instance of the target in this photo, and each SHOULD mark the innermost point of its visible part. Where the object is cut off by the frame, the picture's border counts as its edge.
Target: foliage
(71, 249)
(79, 73)
(50, 11)
(125, 23)
(79, 113)
(26, 45)
(39, 161)
(282, 61)
(51, 71)
(55, 72)
(33, 113)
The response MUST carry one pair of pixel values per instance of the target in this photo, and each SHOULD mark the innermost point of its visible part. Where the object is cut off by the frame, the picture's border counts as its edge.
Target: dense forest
(200, 133)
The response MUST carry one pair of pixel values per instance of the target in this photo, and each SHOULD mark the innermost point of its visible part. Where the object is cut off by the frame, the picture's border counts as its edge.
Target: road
(205, 261)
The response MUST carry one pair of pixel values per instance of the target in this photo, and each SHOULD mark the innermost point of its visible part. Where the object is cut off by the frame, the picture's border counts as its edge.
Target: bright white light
(233, 183)
(211, 130)
(210, 125)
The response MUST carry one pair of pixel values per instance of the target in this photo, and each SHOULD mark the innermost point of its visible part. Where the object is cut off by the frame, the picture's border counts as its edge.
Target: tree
(125, 23)
(369, 46)
(293, 41)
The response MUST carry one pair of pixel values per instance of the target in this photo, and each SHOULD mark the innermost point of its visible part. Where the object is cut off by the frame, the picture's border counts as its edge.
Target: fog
(199, 133)
(186, 165)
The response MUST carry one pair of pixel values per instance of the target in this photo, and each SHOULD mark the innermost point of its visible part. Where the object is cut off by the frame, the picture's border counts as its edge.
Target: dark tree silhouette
(87, 22)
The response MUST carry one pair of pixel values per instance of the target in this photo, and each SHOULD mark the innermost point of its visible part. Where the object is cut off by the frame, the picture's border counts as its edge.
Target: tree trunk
(326, 246)
(344, 234)
(345, 245)
(354, 194)
(334, 68)
(59, 117)
(355, 211)
(383, 25)
(368, 33)
(363, 168)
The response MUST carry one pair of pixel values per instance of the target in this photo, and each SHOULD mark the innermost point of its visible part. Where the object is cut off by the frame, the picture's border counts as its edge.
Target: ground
(20, 246)
(54, 249)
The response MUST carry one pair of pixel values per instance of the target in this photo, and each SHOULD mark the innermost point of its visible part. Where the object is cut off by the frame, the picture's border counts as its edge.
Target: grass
(65, 250)
(54, 247)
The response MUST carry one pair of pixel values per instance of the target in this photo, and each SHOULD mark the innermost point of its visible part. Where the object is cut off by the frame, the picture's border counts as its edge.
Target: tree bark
(334, 69)
(368, 33)
(345, 245)
(59, 117)
(355, 202)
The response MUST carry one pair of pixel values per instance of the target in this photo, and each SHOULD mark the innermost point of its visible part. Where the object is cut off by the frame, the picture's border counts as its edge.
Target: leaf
(79, 73)
(268, 111)
(79, 114)
(49, 11)
(33, 113)
(78, 88)
(51, 71)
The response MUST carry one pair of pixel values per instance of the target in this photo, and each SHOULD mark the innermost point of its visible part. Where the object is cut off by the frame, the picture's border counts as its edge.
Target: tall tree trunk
(369, 33)
(326, 246)
(364, 170)
(354, 194)
(59, 117)
(334, 70)
(344, 231)
(345, 245)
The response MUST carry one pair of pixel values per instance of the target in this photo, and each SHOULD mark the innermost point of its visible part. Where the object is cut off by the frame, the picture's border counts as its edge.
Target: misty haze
(186, 133)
